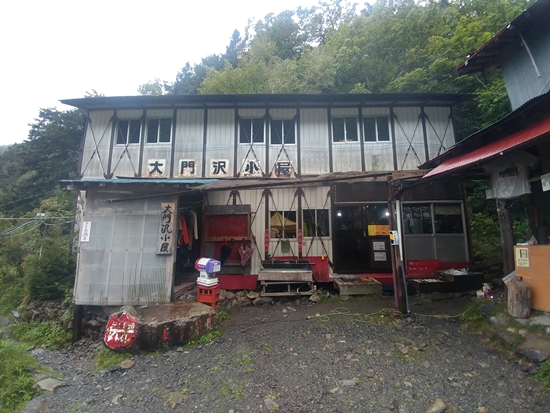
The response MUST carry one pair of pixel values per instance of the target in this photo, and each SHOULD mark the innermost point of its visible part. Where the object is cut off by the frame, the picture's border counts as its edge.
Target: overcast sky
(60, 49)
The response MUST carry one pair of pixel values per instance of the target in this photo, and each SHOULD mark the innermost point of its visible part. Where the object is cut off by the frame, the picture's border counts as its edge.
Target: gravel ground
(284, 358)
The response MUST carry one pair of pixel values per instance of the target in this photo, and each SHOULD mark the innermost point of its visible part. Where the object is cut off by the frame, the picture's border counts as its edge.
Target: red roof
(493, 149)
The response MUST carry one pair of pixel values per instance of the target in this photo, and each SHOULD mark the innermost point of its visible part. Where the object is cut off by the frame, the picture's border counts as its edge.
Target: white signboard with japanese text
(85, 234)
(166, 235)
(155, 167)
(219, 167)
(188, 168)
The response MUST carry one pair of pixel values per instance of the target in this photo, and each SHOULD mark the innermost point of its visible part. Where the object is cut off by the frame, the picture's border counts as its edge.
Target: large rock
(536, 348)
(438, 406)
(148, 328)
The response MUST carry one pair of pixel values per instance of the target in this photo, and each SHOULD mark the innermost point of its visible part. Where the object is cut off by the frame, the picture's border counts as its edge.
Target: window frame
(285, 214)
(252, 122)
(283, 141)
(129, 133)
(345, 125)
(376, 129)
(159, 130)
(325, 212)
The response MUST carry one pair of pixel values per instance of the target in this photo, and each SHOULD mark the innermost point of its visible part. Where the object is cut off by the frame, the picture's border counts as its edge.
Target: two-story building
(246, 179)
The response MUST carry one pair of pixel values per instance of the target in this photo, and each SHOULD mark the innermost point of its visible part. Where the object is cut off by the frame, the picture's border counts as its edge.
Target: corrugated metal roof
(495, 149)
(268, 100)
(485, 58)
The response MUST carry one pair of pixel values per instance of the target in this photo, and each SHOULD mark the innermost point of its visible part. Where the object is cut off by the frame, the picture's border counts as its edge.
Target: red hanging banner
(300, 240)
(266, 240)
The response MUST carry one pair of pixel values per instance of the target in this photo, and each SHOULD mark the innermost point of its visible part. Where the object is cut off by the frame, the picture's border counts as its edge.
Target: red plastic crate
(209, 295)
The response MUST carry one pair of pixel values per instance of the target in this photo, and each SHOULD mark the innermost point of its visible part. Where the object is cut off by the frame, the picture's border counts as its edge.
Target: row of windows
(344, 129)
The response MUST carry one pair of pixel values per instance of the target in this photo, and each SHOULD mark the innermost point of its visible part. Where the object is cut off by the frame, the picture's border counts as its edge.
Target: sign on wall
(188, 168)
(166, 235)
(219, 167)
(251, 167)
(85, 234)
(545, 181)
(156, 167)
(283, 169)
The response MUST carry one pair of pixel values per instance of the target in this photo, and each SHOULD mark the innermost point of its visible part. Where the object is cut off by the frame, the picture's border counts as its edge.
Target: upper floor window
(344, 129)
(128, 131)
(283, 132)
(159, 130)
(251, 131)
(377, 129)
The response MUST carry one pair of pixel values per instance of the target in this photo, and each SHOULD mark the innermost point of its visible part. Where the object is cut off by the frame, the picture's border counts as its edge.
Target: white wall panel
(252, 113)
(439, 130)
(378, 155)
(346, 156)
(220, 137)
(314, 141)
(189, 138)
(157, 151)
(280, 113)
(409, 140)
(125, 160)
(98, 137)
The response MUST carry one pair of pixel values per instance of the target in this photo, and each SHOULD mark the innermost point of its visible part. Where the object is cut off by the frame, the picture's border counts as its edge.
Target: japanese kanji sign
(120, 331)
(251, 167)
(188, 168)
(155, 167)
(219, 167)
(283, 169)
(166, 236)
(85, 234)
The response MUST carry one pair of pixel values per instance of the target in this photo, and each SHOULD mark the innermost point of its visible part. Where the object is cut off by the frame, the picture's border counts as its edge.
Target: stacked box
(209, 295)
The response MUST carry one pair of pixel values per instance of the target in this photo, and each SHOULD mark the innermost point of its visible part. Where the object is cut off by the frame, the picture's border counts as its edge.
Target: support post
(507, 238)
(399, 282)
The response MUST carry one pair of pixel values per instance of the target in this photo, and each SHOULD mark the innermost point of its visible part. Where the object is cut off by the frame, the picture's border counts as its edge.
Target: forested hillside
(334, 47)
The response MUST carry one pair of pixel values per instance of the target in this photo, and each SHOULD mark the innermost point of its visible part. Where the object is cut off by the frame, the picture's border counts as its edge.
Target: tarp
(278, 221)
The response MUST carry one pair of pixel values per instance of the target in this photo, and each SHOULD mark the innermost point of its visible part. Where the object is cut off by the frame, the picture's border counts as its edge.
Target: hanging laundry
(194, 225)
(182, 226)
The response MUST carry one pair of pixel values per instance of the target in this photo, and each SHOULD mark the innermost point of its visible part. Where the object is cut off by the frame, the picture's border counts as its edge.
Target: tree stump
(519, 299)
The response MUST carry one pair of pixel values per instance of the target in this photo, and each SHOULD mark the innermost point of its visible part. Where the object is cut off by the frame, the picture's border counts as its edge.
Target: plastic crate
(209, 295)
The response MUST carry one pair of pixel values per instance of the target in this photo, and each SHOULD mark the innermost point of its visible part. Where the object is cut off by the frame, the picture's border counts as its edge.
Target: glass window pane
(165, 130)
(383, 128)
(290, 132)
(245, 131)
(152, 130)
(448, 219)
(369, 128)
(417, 219)
(338, 130)
(258, 130)
(276, 132)
(323, 227)
(122, 132)
(351, 129)
(134, 130)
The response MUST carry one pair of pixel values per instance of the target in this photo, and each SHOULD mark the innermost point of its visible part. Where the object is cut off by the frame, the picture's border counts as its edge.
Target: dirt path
(288, 357)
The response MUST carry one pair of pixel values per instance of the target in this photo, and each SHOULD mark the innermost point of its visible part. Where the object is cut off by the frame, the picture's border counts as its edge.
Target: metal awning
(134, 181)
(517, 140)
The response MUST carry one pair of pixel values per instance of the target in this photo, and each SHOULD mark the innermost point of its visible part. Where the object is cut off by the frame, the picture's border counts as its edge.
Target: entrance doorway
(362, 238)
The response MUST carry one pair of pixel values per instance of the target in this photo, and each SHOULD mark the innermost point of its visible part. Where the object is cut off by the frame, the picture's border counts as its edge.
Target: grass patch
(233, 390)
(16, 381)
(544, 375)
(106, 358)
(36, 334)
(209, 337)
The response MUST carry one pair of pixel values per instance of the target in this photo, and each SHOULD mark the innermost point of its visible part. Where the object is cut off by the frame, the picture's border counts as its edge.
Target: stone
(39, 404)
(335, 390)
(257, 301)
(116, 399)
(267, 300)
(540, 320)
(536, 348)
(315, 298)
(49, 385)
(175, 399)
(229, 295)
(348, 383)
(270, 404)
(482, 409)
(506, 337)
(438, 406)
(127, 364)
(15, 315)
(252, 295)
(394, 405)
(522, 321)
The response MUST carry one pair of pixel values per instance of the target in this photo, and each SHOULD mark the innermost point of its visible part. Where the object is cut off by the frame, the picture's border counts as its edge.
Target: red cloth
(184, 236)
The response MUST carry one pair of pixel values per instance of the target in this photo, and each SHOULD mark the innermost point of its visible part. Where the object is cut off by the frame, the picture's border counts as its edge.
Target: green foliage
(16, 381)
(209, 337)
(12, 288)
(544, 375)
(34, 334)
(106, 358)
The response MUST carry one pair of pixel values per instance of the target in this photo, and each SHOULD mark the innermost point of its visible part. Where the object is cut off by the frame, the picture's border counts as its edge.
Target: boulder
(171, 324)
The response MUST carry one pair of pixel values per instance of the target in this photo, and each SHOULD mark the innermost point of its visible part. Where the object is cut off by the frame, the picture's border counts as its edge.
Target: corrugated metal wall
(189, 138)
(221, 137)
(409, 139)
(119, 264)
(98, 137)
(314, 141)
(317, 198)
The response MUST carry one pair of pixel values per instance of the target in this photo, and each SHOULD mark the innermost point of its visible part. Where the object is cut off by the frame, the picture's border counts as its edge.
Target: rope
(364, 318)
